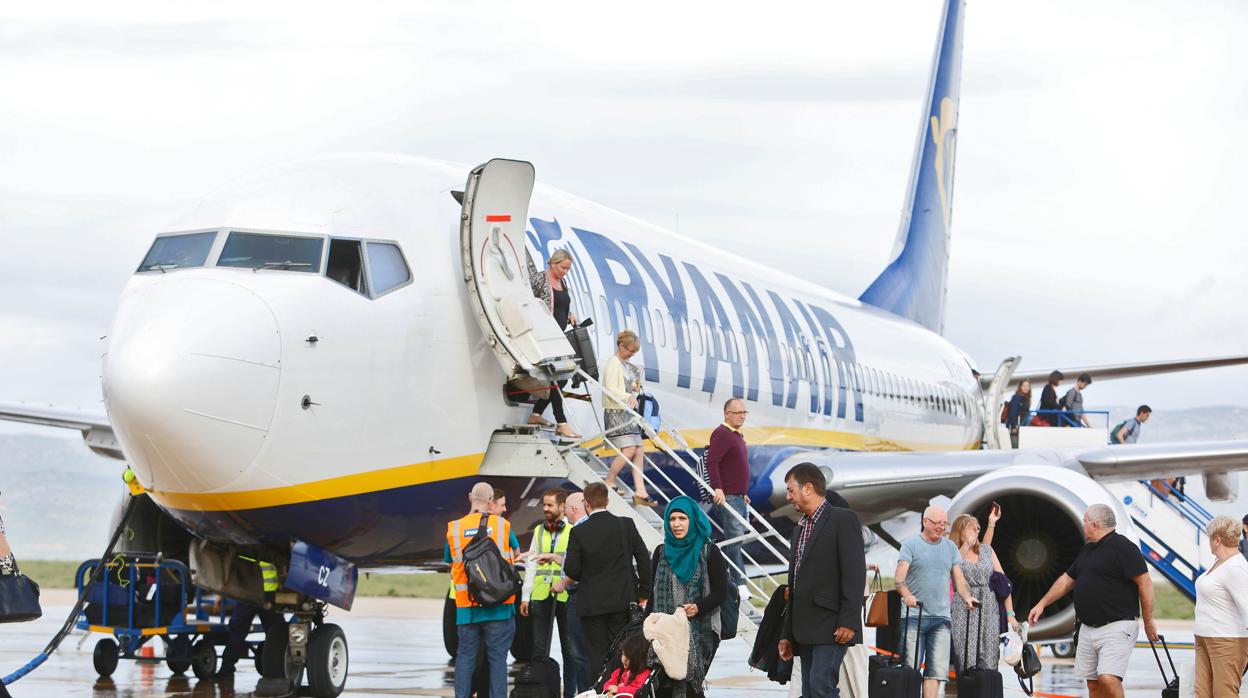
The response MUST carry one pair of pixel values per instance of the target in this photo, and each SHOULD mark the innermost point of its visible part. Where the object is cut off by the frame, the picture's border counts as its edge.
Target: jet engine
(1040, 531)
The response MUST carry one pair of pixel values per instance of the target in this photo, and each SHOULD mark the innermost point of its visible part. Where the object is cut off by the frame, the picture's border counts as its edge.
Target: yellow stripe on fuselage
(344, 486)
(467, 466)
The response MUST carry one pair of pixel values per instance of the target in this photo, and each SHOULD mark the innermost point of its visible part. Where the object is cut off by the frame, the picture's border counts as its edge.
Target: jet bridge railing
(682, 455)
(1065, 418)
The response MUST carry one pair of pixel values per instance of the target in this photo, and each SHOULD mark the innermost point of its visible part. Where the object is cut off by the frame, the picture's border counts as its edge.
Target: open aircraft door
(518, 326)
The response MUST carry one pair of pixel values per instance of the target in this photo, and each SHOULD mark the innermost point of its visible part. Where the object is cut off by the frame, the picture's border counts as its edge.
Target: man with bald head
(493, 626)
(925, 566)
(1111, 584)
(574, 509)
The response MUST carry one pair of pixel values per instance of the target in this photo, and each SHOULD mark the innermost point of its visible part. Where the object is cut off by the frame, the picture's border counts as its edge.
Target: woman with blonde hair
(979, 561)
(1221, 625)
(549, 286)
(621, 384)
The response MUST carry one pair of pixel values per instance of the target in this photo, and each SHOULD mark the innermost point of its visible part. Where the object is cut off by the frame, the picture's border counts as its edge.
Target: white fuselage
(278, 403)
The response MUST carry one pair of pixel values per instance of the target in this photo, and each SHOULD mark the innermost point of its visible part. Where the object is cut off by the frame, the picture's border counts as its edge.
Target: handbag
(875, 613)
(1028, 666)
(19, 598)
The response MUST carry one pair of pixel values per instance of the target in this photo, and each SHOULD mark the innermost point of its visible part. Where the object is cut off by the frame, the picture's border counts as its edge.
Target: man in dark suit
(602, 552)
(827, 569)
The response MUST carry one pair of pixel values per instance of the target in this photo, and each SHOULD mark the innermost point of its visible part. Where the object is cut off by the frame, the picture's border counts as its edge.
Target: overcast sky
(1100, 161)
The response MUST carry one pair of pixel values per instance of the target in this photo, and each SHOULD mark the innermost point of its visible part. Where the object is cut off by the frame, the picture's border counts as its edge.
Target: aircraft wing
(96, 431)
(880, 485)
(1107, 372)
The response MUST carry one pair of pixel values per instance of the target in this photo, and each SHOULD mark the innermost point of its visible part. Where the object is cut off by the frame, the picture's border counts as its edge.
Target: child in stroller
(632, 675)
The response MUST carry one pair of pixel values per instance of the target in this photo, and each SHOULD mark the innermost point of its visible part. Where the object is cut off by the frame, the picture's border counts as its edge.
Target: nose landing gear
(310, 646)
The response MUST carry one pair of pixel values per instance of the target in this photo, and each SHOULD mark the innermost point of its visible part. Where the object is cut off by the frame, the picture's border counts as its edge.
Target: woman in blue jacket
(1020, 406)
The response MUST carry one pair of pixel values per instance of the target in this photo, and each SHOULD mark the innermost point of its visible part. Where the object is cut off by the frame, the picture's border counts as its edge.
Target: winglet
(915, 282)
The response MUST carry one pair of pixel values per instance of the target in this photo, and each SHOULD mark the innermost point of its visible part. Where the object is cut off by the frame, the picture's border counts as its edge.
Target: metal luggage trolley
(144, 597)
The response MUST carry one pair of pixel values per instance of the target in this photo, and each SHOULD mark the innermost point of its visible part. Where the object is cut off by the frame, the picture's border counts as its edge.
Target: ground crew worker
(495, 626)
(546, 553)
(245, 613)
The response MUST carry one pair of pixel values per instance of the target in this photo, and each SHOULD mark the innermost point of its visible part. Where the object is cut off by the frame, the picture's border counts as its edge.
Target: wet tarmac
(396, 650)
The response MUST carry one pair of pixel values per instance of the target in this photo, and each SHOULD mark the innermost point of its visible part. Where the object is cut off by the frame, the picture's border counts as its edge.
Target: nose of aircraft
(191, 379)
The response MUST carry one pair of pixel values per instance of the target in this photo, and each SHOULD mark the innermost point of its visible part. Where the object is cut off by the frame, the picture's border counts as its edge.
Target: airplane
(311, 363)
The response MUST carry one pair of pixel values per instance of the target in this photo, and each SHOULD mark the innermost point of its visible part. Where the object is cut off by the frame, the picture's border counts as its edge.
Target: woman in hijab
(690, 576)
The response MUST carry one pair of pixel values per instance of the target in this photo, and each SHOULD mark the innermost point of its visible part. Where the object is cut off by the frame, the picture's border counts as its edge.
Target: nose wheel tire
(203, 660)
(327, 661)
(105, 657)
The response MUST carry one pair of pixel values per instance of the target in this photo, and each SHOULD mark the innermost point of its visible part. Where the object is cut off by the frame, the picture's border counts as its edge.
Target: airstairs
(671, 470)
(1171, 528)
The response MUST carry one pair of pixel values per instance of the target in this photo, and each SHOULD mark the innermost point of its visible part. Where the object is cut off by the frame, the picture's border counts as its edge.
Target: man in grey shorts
(1111, 584)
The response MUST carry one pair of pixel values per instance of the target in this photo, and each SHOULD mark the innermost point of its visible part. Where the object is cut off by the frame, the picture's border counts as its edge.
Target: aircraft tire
(273, 654)
(105, 657)
(328, 661)
(1063, 650)
(522, 643)
(450, 634)
(204, 659)
(257, 656)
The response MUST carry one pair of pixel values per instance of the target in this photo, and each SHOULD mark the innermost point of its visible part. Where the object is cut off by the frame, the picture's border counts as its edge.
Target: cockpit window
(265, 251)
(386, 266)
(178, 252)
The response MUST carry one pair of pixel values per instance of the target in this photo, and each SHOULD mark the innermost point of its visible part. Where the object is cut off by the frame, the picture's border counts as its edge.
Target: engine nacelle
(1040, 531)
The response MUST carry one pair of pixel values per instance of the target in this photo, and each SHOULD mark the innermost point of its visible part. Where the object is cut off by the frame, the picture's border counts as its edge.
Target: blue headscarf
(684, 554)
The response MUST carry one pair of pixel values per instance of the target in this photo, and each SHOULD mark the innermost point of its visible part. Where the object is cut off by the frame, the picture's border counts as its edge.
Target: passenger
(823, 615)
(608, 559)
(539, 602)
(728, 468)
(574, 508)
(493, 626)
(1221, 625)
(1020, 405)
(1072, 401)
(241, 619)
(1129, 431)
(926, 565)
(978, 562)
(1048, 401)
(621, 384)
(689, 575)
(1111, 584)
(633, 673)
(549, 286)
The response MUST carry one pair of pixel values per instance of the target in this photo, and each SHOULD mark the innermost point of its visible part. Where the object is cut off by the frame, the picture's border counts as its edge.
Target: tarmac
(396, 650)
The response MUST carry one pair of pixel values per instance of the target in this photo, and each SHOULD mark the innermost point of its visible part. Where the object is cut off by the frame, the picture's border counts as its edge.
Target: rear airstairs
(529, 451)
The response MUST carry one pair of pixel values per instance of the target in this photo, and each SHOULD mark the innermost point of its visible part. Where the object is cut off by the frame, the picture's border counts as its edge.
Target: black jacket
(602, 552)
(827, 592)
(766, 653)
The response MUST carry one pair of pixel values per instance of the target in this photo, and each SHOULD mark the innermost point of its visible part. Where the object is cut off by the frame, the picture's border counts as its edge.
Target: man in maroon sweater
(728, 466)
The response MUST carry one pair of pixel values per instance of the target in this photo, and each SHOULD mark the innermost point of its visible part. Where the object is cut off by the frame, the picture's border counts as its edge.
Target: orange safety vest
(458, 534)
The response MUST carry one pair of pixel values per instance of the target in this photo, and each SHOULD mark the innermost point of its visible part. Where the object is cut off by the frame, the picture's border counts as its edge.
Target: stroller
(653, 686)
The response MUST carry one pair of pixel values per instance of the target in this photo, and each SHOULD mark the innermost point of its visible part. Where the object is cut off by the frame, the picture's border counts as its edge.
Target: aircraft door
(518, 326)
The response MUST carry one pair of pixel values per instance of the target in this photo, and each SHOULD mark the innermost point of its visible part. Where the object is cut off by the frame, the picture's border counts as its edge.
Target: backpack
(1113, 433)
(538, 679)
(1005, 412)
(491, 579)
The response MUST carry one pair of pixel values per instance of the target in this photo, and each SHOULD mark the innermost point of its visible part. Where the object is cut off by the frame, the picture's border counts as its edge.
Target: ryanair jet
(310, 365)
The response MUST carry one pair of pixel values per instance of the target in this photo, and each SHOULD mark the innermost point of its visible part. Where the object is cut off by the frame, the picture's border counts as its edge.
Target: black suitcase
(1172, 685)
(578, 337)
(974, 681)
(894, 679)
(538, 679)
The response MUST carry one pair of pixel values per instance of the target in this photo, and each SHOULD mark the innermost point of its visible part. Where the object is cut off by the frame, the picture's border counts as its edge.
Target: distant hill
(58, 498)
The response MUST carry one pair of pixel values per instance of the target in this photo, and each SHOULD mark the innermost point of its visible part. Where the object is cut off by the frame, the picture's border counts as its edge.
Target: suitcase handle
(979, 638)
(906, 627)
(1164, 646)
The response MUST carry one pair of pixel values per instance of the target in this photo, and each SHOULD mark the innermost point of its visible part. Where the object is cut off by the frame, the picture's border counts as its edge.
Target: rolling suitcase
(895, 679)
(1172, 685)
(578, 337)
(974, 681)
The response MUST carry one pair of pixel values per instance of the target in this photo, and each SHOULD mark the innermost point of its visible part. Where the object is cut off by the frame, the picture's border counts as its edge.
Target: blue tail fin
(915, 282)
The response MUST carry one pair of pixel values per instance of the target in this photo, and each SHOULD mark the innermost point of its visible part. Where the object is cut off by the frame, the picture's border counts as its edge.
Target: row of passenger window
(657, 328)
(369, 267)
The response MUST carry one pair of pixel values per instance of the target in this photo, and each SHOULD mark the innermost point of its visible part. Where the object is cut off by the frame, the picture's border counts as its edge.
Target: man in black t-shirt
(1111, 584)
